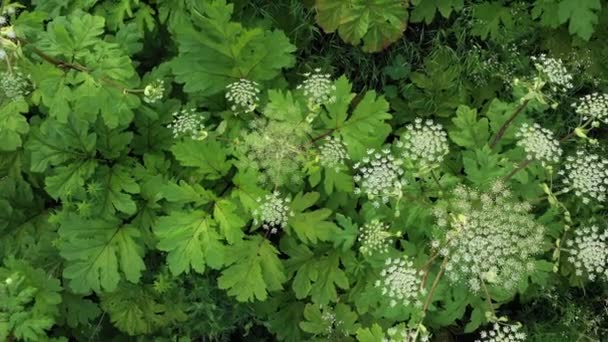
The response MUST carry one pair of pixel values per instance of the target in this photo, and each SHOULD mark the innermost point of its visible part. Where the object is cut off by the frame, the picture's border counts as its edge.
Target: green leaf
(482, 166)
(491, 19)
(316, 275)
(310, 226)
(230, 222)
(208, 157)
(373, 334)
(191, 241)
(346, 237)
(283, 107)
(582, 16)
(216, 52)
(77, 310)
(468, 131)
(117, 185)
(13, 125)
(69, 36)
(498, 113)
(377, 23)
(95, 250)
(424, 10)
(366, 127)
(254, 270)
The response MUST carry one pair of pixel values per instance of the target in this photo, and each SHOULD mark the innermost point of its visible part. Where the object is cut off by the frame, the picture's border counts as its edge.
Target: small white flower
(380, 176)
(589, 252)
(3, 20)
(593, 107)
(401, 282)
(554, 72)
(319, 88)
(424, 143)
(586, 175)
(333, 153)
(243, 96)
(374, 238)
(502, 333)
(2, 54)
(273, 213)
(188, 122)
(539, 144)
(154, 91)
(14, 84)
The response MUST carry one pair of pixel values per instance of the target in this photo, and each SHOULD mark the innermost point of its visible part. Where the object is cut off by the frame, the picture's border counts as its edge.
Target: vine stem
(505, 125)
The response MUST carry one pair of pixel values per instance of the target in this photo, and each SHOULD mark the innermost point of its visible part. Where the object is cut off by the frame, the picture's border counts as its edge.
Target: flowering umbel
(318, 88)
(425, 143)
(401, 333)
(379, 176)
(589, 252)
(14, 84)
(333, 153)
(554, 72)
(539, 144)
(490, 238)
(154, 91)
(586, 175)
(273, 213)
(502, 333)
(401, 282)
(593, 107)
(188, 123)
(374, 238)
(243, 95)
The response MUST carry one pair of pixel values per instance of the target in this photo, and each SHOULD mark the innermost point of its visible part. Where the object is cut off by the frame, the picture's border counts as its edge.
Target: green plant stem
(519, 167)
(488, 298)
(429, 297)
(501, 132)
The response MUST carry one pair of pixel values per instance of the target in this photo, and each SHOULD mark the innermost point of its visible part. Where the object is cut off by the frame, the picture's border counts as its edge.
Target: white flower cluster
(333, 153)
(243, 95)
(14, 84)
(502, 333)
(374, 238)
(593, 107)
(539, 144)
(425, 143)
(554, 71)
(154, 91)
(401, 333)
(401, 282)
(586, 175)
(380, 176)
(490, 238)
(318, 87)
(329, 317)
(273, 212)
(188, 122)
(589, 252)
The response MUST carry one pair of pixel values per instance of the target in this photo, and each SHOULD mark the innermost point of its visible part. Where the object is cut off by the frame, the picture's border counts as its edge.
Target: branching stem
(501, 132)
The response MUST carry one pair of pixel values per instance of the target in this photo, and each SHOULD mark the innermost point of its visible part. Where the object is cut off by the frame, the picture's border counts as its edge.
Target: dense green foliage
(319, 170)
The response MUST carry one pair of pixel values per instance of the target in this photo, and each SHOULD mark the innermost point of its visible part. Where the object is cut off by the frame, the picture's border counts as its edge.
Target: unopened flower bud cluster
(374, 238)
(273, 213)
(593, 107)
(424, 142)
(554, 71)
(333, 153)
(154, 91)
(14, 84)
(589, 252)
(188, 123)
(490, 238)
(379, 176)
(586, 175)
(243, 95)
(502, 333)
(539, 144)
(401, 282)
(318, 88)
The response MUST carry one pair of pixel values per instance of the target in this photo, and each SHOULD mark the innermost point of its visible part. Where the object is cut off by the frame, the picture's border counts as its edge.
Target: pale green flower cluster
(401, 282)
(502, 333)
(243, 95)
(593, 107)
(379, 176)
(318, 88)
(333, 153)
(273, 212)
(554, 72)
(188, 123)
(374, 238)
(14, 84)
(154, 91)
(539, 144)
(589, 252)
(425, 143)
(586, 175)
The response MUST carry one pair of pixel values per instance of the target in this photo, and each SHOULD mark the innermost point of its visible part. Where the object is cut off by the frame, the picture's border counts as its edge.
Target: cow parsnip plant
(170, 173)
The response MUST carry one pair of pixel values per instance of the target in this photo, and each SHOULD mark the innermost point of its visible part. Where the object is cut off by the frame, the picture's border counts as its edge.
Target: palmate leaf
(424, 10)
(191, 240)
(469, 131)
(96, 250)
(581, 15)
(12, 124)
(254, 270)
(373, 334)
(366, 127)
(311, 226)
(377, 22)
(116, 186)
(492, 18)
(208, 157)
(214, 51)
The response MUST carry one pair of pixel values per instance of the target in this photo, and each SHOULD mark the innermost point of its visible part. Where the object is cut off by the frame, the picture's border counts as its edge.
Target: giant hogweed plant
(303, 202)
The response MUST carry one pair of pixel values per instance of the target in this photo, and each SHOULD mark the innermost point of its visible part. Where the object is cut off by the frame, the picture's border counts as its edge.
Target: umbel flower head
(154, 91)
(586, 175)
(14, 84)
(318, 88)
(401, 282)
(401, 333)
(276, 150)
(273, 213)
(589, 252)
(539, 144)
(188, 123)
(243, 95)
(333, 153)
(502, 333)
(425, 143)
(554, 72)
(379, 176)
(490, 238)
(374, 238)
(593, 107)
